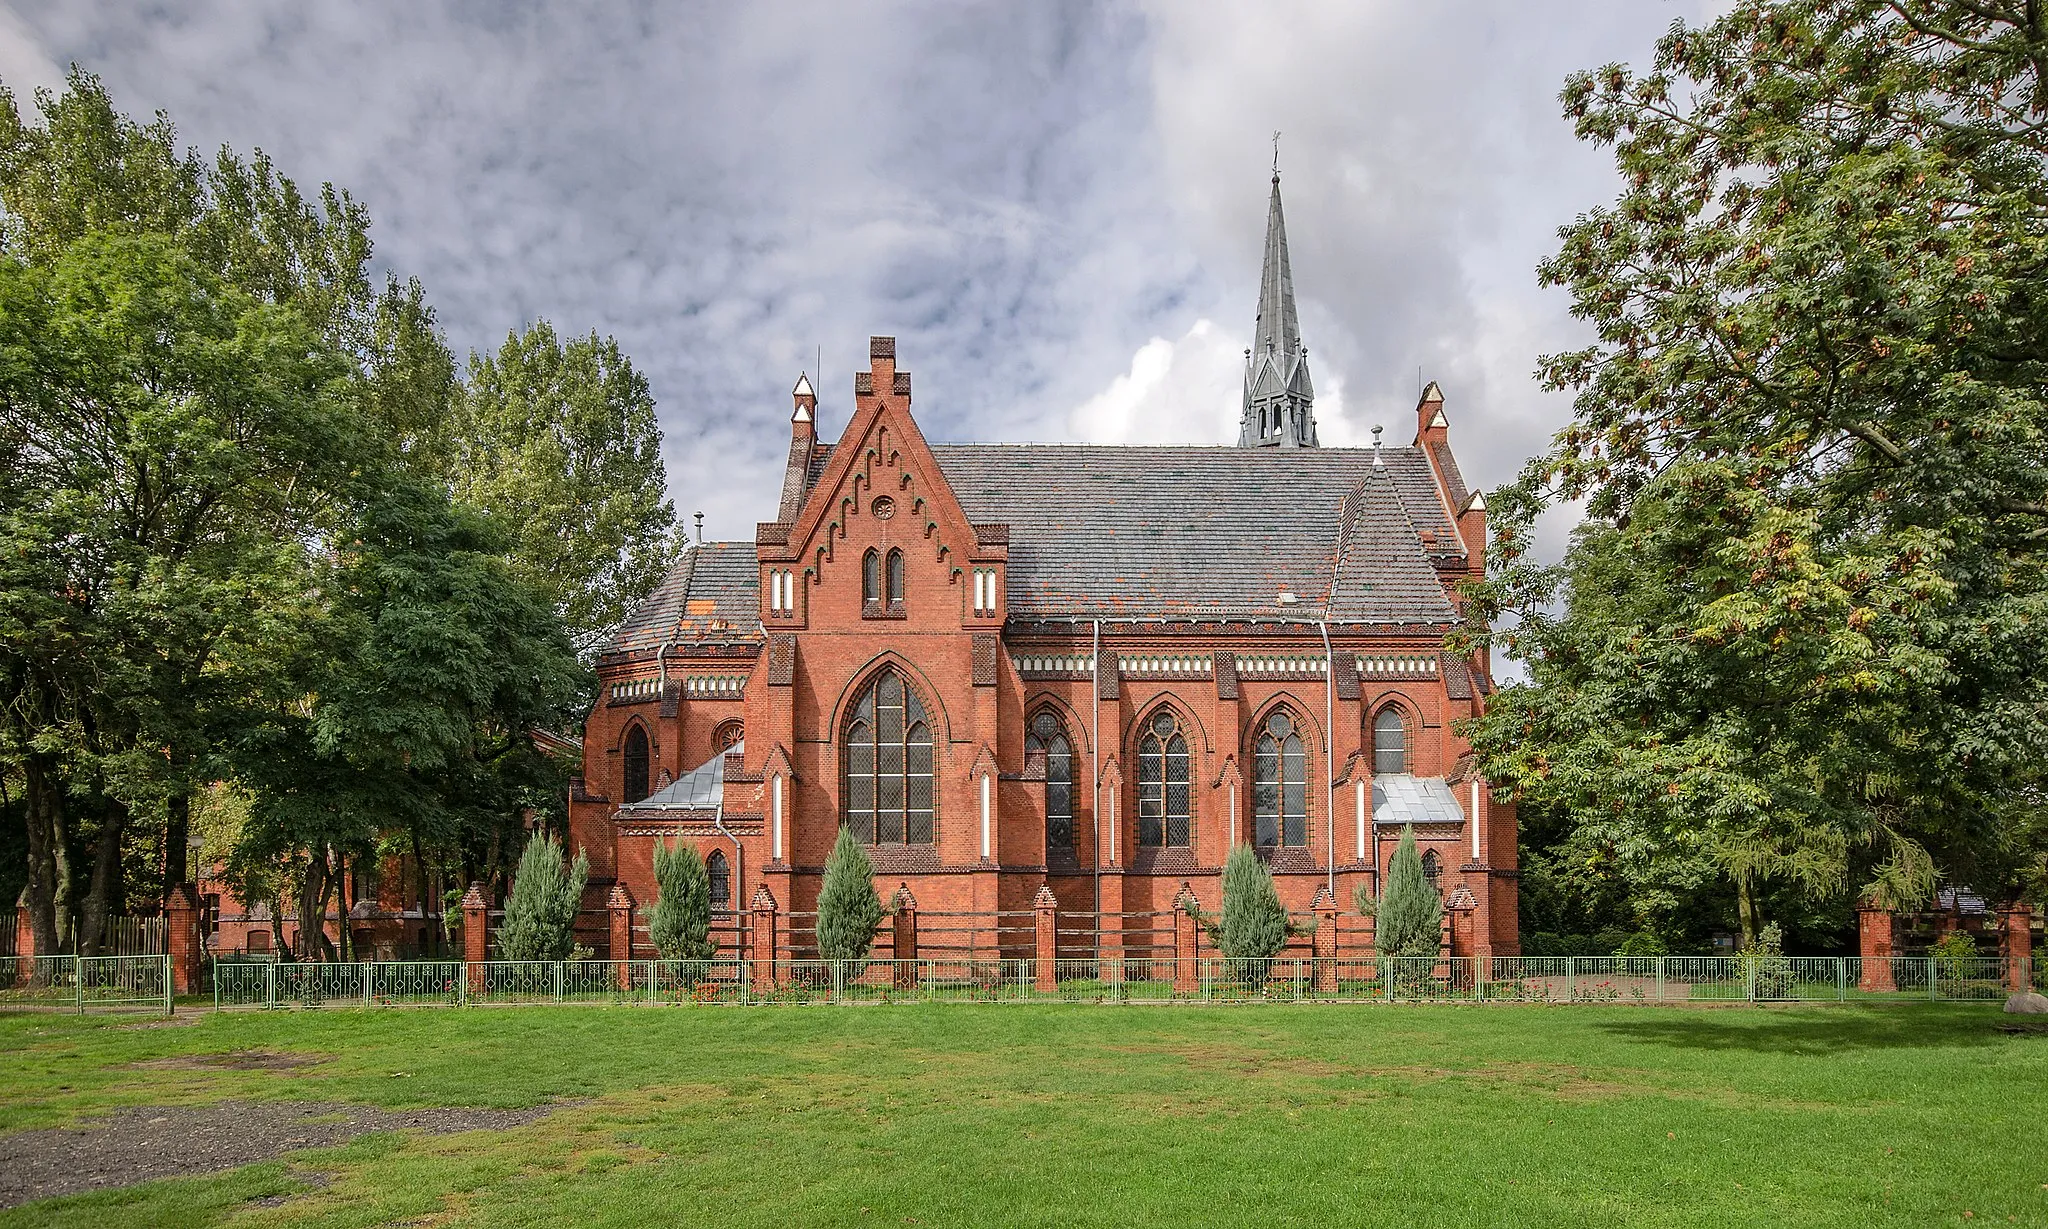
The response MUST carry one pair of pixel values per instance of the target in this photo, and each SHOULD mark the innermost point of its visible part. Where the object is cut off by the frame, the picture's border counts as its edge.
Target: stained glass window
(1047, 738)
(887, 794)
(1164, 799)
(1279, 784)
(1389, 743)
(721, 881)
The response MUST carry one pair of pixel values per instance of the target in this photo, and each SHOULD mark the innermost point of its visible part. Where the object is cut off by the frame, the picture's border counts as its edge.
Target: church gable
(880, 533)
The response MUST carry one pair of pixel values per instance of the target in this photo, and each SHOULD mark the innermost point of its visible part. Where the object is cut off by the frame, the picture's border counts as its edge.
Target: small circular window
(883, 508)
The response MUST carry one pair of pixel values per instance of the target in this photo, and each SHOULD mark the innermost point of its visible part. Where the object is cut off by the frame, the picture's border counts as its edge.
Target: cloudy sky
(1055, 207)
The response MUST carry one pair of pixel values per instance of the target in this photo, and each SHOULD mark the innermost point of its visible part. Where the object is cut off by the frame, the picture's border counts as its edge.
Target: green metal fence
(1560, 979)
(87, 983)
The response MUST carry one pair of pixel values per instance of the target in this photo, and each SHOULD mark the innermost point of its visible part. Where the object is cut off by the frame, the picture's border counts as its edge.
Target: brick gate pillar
(24, 942)
(1874, 944)
(1324, 945)
(905, 936)
(620, 903)
(1047, 949)
(181, 938)
(476, 934)
(1187, 977)
(2016, 927)
(761, 937)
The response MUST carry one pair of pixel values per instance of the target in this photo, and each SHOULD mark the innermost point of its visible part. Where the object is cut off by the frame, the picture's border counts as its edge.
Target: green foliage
(540, 915)
(848, 909)
(1955, 945)
(1254, 925)
(559, 444)
(680, 925)
(1411, 913)
(1642, 943)
(1800, 643)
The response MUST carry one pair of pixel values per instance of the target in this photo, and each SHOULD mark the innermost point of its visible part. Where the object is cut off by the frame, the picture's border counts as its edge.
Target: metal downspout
(1095, 779)
(1330, 752)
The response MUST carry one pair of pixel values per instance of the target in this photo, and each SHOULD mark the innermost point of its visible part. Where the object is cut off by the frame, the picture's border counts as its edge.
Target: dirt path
(142, 1145)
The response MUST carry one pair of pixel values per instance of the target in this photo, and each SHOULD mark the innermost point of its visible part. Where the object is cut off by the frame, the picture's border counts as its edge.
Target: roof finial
(1276, 155)
(700, 528)
(1377, 462)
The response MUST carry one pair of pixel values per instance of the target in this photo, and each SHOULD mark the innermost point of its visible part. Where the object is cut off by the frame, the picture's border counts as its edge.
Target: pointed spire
(1279, 397)
(1279, 331)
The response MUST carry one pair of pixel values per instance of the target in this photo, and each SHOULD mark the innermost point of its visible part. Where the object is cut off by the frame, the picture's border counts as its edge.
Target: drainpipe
(739, 852)
(1095, 776)
(1329, 751)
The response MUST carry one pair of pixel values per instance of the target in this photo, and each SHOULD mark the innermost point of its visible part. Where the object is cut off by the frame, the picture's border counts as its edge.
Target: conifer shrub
(1410, 911)
(680, 925)
(540, 915)
(1254, 926)
(848, 909)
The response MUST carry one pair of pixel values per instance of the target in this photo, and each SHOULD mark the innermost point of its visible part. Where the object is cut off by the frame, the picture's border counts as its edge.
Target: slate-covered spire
(1279, 398)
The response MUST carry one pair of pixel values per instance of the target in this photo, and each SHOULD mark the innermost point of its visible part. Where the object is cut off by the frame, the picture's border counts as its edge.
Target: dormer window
(985, 591)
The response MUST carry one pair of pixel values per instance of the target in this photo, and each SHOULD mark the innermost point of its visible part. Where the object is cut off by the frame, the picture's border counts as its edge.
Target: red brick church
(1014, 669)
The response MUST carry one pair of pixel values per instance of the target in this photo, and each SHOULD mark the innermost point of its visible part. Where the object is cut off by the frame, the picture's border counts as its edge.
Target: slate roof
(1149, 532)
(1100, 531)
(712, 593)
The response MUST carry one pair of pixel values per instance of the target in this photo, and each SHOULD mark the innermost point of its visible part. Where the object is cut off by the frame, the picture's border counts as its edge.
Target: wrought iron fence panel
(976, 980)
(411, 983)
(123, 982)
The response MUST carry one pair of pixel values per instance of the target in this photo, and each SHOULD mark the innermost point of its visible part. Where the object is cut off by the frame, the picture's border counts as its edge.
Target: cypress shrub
(848, 909)
(1254, 926)
(1410, 912)
(540, 915)
(680, 924)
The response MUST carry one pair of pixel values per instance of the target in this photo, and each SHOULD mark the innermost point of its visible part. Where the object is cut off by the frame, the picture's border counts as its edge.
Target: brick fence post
(181, 938)
(1324, 944)
(1047, 907)
(761, 937)
(620, 902)
(476, 934)
(1874, 944)
(1187, 977)
(2016, 921)
(24, 942)
(904, 945)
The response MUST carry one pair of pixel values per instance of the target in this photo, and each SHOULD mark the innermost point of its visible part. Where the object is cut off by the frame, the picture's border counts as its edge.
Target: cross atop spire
(1279, 398)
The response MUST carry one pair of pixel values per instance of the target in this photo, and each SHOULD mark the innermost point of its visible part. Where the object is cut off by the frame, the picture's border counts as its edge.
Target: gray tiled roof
(712, 593)
(1119, 532)
(1193, 531)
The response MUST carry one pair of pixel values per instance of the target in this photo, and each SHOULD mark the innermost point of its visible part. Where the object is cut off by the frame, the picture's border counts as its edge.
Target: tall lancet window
(1389, 743)
(635, 758)
(1279, 784)
(1047, 738)
(1163, 794)
(886, 780)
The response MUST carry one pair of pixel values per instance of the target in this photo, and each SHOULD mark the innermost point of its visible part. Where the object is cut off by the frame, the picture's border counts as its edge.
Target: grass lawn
(958, 1115)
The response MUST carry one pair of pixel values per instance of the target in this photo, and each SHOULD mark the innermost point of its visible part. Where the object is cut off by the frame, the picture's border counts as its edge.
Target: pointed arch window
(1432, 867)
(720, 875)
(886, 777)
(1048, 739)
(895, 577)
(1279, 784)
(1389, 743)
(871, 576)
(635, 761)
(1163, 794)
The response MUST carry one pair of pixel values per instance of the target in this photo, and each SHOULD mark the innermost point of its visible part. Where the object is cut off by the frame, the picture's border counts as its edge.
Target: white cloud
(1056, 208)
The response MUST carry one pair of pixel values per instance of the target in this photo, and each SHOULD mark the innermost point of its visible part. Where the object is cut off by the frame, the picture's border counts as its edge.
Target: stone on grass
(2027, 1005)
